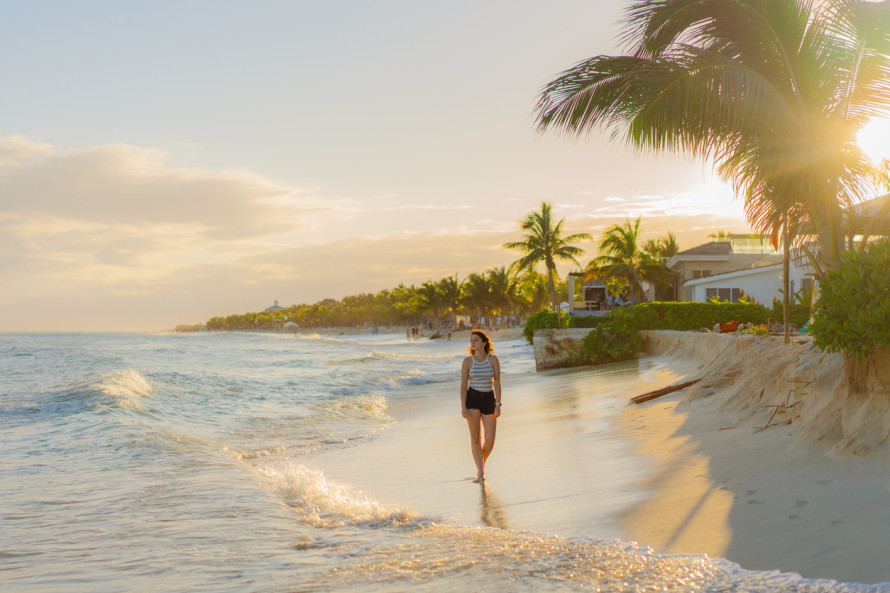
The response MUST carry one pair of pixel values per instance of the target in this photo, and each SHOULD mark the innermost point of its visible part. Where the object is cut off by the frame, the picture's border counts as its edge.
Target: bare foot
(479, 478)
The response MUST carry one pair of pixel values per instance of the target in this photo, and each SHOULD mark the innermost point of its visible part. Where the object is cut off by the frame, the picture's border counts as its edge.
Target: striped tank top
(482, 375)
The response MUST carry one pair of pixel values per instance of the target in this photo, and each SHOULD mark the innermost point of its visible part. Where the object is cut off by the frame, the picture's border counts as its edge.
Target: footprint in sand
(801, 503)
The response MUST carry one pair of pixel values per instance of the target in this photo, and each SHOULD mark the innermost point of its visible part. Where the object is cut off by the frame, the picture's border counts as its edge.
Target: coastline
(688, 473)
(552, 423)
(759, 462)
(726, 490)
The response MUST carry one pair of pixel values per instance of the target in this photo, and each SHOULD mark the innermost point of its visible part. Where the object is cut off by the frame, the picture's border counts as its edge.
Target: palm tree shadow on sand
(492, 509)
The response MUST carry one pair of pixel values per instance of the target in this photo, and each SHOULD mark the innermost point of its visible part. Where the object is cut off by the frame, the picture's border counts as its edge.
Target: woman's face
(476, 342)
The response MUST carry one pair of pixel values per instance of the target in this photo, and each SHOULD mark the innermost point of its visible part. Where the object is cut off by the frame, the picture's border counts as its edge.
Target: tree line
(510, 292)
(499, 292)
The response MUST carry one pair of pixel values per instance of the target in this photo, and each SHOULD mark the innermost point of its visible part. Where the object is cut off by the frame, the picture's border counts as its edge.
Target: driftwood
(783, 407)
(663, 391)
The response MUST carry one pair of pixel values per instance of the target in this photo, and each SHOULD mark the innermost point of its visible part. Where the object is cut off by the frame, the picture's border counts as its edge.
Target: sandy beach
(689, 473)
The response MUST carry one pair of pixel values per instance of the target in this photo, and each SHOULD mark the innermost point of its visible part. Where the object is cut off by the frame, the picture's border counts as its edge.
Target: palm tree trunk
(553, 296)
(786, 282)
(552, 288)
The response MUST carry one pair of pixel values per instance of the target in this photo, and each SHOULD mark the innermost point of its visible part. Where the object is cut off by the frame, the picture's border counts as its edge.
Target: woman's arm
(496, 365)
(464, 383)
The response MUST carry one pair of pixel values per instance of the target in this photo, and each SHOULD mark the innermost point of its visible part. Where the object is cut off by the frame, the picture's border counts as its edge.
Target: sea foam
(123, 389)
(321, 502)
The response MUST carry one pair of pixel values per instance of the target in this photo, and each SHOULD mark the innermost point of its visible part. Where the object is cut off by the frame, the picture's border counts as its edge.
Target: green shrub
(544, 320)
(590, 320)
(853, 312)
(799, 313)
(694, 316)
(615, 340)
(616, 335)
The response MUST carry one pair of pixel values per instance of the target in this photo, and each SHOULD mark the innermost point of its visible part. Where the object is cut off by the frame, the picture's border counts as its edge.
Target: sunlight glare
(874, 139)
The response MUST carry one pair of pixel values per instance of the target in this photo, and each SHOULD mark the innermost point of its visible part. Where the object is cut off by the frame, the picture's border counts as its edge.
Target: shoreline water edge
(267, 462)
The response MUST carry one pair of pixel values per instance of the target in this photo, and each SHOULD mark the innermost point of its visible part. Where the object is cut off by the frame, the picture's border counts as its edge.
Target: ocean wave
(320, 502)
(421, 378)
(256, 454)
(316, 337)
(123, 389)
(484, 559)
(356, 407)
(387, 356)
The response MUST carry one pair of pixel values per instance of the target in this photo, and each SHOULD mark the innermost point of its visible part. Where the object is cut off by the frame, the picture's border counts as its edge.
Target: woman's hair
(485, 339)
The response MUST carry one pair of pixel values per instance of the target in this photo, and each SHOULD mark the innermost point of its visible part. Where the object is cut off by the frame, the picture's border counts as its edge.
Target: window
(696, 274)
(731, 295)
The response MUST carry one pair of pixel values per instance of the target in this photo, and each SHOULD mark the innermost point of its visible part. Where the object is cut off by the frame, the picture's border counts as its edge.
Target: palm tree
(664, 278)
(404, 302)
(544, 243)
(504, 290)
(450, 291)
(533, 291)
(477, 294)
(429, 300)
(622, 258)
(772, 93)
(664, 247)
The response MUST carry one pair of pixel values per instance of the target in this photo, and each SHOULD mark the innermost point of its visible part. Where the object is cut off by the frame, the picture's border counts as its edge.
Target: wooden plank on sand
(663, 391)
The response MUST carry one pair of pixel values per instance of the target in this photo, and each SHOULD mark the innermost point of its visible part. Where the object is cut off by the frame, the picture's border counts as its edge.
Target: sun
(874, 139)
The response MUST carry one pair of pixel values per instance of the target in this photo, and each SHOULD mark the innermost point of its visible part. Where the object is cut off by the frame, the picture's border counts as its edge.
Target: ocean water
(140, 462)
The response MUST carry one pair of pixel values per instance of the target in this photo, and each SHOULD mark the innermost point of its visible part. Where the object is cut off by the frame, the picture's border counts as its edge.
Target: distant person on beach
(480, 397)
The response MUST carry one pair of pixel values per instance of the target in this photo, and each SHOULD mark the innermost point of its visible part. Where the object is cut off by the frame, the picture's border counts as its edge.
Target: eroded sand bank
(773, 460)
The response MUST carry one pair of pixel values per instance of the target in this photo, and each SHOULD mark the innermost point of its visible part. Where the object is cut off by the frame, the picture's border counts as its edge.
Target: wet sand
(574, 458)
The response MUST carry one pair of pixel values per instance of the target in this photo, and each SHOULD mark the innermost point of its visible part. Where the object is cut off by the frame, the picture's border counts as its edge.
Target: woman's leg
(474, 422)
(490, 423)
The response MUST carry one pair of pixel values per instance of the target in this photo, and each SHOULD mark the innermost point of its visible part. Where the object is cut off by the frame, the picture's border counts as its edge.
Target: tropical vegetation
(771, 93)
(626, 262)
(616, 340)
(853, 312)
(543, 243)
(687, 316)
(497, 292)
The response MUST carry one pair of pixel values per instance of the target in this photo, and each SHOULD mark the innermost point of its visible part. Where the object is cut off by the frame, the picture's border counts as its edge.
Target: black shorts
(481, 400)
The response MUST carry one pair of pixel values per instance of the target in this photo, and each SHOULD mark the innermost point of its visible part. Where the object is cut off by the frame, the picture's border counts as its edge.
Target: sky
(165, 162)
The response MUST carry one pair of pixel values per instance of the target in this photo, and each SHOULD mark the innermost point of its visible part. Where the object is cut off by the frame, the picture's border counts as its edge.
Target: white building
(741, 265)
(761, 283)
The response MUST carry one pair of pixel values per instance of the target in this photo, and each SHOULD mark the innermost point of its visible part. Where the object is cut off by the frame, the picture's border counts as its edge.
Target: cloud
(120, 205)
(124, 184)
(120, 220)
(15, 150)
(712, 201)
(118, 238)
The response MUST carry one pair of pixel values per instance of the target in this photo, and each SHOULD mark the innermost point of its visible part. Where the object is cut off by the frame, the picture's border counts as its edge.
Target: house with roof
(761, 282)
(592, 295)
(740, 265)
(275, 307)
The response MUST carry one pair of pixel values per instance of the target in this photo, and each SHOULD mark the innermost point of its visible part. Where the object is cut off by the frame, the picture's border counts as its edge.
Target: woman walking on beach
(480, 397)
